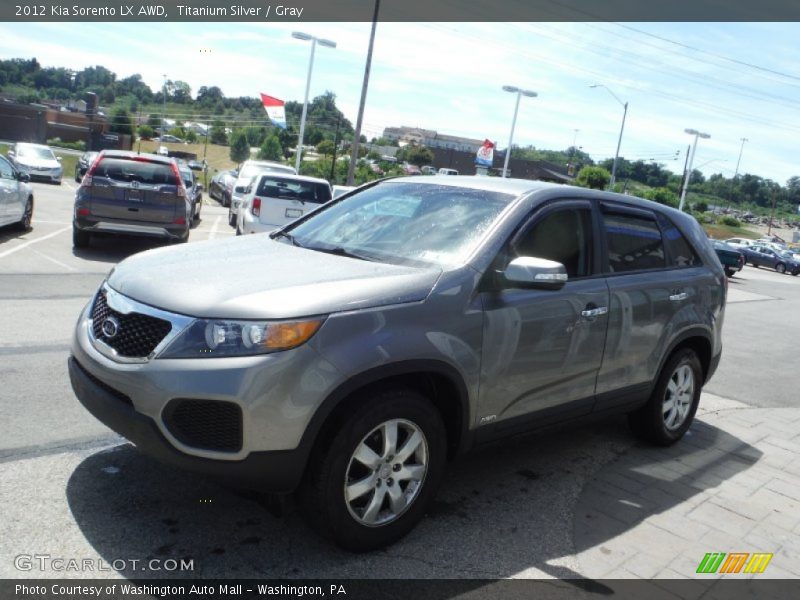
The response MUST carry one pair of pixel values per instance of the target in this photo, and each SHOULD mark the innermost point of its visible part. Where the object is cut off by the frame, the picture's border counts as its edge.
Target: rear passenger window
(634, 243)
(679, 249)
(286, 188)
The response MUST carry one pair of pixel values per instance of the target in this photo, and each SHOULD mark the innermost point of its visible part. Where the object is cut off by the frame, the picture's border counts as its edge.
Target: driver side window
(564, 236)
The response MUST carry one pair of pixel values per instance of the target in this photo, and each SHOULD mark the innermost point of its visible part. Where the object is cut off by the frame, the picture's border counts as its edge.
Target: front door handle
(593, 313)
(679, 297)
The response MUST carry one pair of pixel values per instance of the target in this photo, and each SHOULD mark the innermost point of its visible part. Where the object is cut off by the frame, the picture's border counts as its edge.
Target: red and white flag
(485, 154)
(275, 110)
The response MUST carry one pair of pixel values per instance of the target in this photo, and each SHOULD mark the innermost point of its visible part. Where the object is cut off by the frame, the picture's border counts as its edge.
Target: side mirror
(532, 272)
(58, 158)
(23, 177)
(11, 153)
(200, 187)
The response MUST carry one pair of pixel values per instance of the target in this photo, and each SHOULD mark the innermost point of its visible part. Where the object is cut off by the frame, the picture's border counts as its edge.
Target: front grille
(205, 424)
(137, 334)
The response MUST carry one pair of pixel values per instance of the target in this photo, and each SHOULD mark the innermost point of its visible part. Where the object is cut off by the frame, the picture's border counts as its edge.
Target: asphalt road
(72, 488)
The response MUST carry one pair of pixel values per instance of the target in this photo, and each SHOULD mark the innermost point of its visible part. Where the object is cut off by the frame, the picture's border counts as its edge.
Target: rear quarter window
(679, 251)
(126, 171)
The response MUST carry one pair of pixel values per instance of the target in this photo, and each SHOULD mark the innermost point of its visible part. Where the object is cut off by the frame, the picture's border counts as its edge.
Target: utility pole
(335, 143)
(357, 135)
(772, 213)
(685, 180)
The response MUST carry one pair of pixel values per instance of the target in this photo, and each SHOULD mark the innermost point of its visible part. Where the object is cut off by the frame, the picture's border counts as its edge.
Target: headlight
(209, 338)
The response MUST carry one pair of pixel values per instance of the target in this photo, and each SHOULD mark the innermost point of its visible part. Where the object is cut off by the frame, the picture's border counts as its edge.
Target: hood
(254, 277)
(37, 163)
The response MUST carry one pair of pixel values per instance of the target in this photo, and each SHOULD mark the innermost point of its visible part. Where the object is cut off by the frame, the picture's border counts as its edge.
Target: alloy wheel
(386, 472)
(678, 397)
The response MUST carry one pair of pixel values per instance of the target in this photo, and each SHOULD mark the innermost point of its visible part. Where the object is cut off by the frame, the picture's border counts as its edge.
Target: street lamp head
(704, 136)
(691, 131)
(326, 43)
(529, 93)
(301, 36)
(596, 85)
(510, 88)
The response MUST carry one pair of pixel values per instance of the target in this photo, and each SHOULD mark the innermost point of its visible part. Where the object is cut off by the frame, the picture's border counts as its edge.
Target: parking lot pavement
(582, 502)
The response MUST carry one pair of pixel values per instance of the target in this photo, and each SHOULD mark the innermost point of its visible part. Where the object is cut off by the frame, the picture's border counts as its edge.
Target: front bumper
(273, 471)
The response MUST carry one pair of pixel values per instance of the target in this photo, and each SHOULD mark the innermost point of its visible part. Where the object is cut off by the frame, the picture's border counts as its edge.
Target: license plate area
(293, 213)
(134, 195)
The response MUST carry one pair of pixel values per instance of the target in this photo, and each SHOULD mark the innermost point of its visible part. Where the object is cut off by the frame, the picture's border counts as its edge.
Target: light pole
(736, 172)
(519, 92)
(697, 135)
(314, 40)
(621, 129)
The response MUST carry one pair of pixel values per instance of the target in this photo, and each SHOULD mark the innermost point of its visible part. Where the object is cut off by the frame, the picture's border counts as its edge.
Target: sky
(730, 80)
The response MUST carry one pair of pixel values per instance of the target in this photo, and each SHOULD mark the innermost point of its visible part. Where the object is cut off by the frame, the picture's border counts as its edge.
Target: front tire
(780, 268)
(370, 483)
(670, 411)
(730, 272)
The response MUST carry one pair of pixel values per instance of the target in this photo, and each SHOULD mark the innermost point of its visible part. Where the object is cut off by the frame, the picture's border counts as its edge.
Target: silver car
(16, 197)
(37, 161)
(350, 354)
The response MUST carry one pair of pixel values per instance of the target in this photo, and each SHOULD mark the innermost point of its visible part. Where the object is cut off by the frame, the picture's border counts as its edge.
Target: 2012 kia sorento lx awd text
(351, 353)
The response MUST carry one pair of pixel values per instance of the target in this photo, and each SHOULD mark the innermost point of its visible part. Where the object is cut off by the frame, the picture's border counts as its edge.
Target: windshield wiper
(339, 251)
(289, 237)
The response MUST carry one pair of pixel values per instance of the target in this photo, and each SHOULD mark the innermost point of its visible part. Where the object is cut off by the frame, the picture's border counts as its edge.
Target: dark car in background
(125, 193)
(194, 190)
(732, 260)
(763, 256)
(84, 162)
(221, 186)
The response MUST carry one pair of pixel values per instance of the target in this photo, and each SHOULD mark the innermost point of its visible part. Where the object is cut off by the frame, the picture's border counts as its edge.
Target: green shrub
(79, 145)
(730, 221)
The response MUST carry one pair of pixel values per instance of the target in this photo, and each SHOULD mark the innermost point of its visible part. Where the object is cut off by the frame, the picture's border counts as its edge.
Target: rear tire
(231, 220)
(365, 491)
(730, 272)
(80, 239)
(670, 410)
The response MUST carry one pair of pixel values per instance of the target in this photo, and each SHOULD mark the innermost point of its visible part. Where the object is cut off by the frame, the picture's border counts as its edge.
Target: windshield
(35, 152)
(405, 223)
(121, 169)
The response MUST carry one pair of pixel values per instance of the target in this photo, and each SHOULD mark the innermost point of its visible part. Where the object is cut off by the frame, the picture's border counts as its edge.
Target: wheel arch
(697, 339)
(438, 381)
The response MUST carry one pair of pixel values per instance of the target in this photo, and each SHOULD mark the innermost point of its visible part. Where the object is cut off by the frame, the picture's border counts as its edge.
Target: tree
(662, 196)
(121, 122)
(325, 147)
(217, 135)
(240, 149)
(146, 132)
(416, 155)
(270, 149)
(700, 207)
(154, 121)
(596, 178)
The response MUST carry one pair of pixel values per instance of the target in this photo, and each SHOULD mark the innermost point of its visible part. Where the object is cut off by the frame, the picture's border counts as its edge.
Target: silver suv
(350, 354)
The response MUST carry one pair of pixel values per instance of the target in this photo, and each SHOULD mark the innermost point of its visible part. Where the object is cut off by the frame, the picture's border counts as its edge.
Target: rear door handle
(679, 297)
(591, 313)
